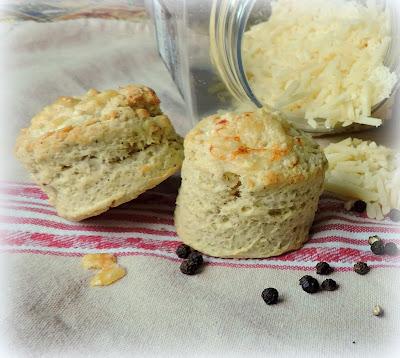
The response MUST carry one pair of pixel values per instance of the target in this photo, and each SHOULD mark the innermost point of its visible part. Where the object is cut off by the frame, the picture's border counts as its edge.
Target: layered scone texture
(250, 186)
(99, 150)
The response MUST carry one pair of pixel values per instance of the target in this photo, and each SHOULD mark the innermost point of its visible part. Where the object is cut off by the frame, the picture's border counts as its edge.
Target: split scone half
(250, 186)
(99, 150)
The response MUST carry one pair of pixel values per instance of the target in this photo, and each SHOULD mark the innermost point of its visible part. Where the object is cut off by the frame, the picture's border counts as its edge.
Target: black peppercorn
(329, 285)
(391, 249)
(359, 206)
(183, 251)
(394, 215)
(323, 268)
(309, 284)
(196, 257)
(189, 267)
(270, 295)
(361, 268)
(378, 247)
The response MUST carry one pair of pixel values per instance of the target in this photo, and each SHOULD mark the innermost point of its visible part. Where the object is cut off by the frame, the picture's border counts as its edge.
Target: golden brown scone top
(94, 106)
(259, 146)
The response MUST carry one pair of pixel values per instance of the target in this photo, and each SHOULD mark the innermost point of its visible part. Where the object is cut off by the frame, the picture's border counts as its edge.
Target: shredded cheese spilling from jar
(321, 59)
(366, 171)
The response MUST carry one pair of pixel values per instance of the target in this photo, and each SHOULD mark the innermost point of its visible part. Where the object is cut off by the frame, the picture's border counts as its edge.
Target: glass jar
(201, 44)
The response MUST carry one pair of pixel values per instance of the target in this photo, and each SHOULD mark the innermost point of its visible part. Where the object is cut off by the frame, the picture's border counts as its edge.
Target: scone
(250, 186)
(99, 150)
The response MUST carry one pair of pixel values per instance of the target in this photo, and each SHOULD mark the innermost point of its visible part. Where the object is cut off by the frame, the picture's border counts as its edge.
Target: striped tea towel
(145, 227)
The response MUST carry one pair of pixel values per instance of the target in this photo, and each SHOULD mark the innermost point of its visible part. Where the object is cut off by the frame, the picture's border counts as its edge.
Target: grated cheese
(363, 170)
(321, 59)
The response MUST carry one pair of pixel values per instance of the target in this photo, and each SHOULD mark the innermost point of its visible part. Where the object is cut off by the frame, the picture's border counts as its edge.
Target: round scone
(99, 150)
(250, 186)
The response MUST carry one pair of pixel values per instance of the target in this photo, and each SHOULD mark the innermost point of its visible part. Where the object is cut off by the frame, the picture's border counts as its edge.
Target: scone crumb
(108, 275)
(98, 261)
(110, 271)
(377, 310)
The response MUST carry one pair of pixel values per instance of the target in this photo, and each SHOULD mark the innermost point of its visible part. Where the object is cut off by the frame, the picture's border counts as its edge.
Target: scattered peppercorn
(359, 206)
(329, 285)
(378, 247)
(394, 215)
(323, 268)
(183, 251)
(196, 257)
(373, 239)
(309, 284)
(361, 268)
(270, 295)
(391, 249)
(377, 311)
(189, 267)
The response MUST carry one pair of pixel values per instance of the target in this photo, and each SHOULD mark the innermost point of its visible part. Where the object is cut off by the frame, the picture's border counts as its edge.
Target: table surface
(51, 311)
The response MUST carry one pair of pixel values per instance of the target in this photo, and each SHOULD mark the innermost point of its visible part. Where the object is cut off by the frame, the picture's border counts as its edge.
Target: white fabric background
(49, 309)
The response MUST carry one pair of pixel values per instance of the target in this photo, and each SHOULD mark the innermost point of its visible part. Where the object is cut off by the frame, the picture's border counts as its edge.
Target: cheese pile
(366, 171)
(321, 59)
